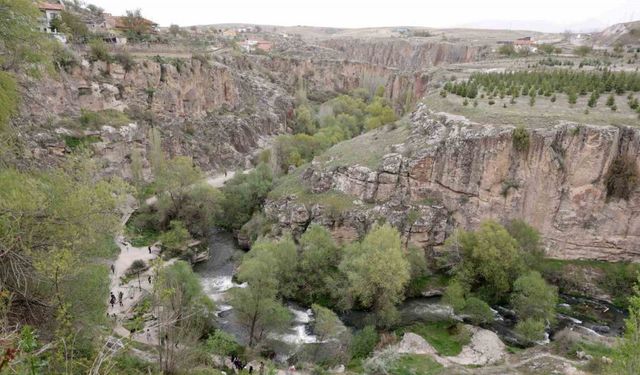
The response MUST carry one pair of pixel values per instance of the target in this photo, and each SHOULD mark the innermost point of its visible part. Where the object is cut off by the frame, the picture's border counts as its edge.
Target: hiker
(112, 300)
(149, 249)
(120, 295)
(148, 335)
(113, 268)
(261, 370)
(149, 279)
(250, 369)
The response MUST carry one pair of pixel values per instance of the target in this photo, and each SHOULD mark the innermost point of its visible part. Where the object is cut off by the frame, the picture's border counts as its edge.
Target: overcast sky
(544, 15)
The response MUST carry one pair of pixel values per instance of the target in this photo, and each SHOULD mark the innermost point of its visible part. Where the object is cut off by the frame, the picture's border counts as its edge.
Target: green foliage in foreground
(377, 272)
(626, 358)
(364, 341)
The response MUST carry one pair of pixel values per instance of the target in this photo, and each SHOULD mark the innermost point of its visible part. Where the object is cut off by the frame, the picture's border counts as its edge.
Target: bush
(531, 329)
(478, 311)
(223, 344)
(126, 60)
(98, 51)
(520, 138)
(364, 341)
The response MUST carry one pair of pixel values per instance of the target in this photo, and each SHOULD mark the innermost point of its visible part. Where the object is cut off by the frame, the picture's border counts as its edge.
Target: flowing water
(216, 277)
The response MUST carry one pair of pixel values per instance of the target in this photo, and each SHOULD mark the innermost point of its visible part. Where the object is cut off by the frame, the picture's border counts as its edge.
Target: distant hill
(623, 33)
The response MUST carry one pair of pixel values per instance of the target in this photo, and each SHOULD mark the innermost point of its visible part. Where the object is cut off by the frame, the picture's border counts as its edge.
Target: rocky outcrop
(453, 173)
(402, 53)
(218, 115)
(402, 87)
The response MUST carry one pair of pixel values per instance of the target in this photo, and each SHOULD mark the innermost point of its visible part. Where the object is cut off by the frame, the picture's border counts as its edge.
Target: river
(217, 279)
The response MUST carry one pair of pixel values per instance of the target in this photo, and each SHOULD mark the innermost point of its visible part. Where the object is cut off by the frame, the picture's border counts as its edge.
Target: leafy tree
(53, 224)
(533, 298)
(328, 327)
(491, 261)
(177, 238)
(319, 259)
(454, 296)
(477, 310)
(256, 306)
(137, 28)
(626, 358)
(243, 195)
(529, 241)
(304, 120)
(280, 256)
(377, 271)
(98, 51)
(73, 26)
(507, 50)
(184, 312)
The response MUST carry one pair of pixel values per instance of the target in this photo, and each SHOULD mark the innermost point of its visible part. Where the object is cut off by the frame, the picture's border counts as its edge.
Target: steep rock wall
(401, 53)
(453, 173)
(401, 87)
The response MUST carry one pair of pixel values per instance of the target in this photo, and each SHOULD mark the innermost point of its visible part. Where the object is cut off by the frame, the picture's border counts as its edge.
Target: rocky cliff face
(452, 173)
(216, 114)
(401, 87)
(401, 53)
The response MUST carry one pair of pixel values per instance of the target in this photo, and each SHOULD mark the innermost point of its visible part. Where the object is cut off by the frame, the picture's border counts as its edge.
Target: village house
(50, 11)
(251, 45)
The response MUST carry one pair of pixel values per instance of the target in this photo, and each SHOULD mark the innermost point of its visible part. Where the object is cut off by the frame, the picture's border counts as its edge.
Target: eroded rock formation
(453, 173)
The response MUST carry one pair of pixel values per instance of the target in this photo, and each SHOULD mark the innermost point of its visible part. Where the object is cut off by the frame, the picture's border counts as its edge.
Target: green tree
(329, 329)
(183, 311)
(377, 271)
(529, 241)
(491, 261)
(477, 310)
(176, 238)
(304, 120)
(257, 306)
(319, 260)
(507, 50)
(626, 358)
(243, 195)
(533, 298)
(281, 257)
(137, 28)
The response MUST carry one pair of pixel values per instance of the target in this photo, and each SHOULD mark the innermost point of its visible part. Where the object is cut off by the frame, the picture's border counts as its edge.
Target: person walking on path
(112, 300)
(149, 249)
(113, 268)
(120, 295)
(149, 279)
